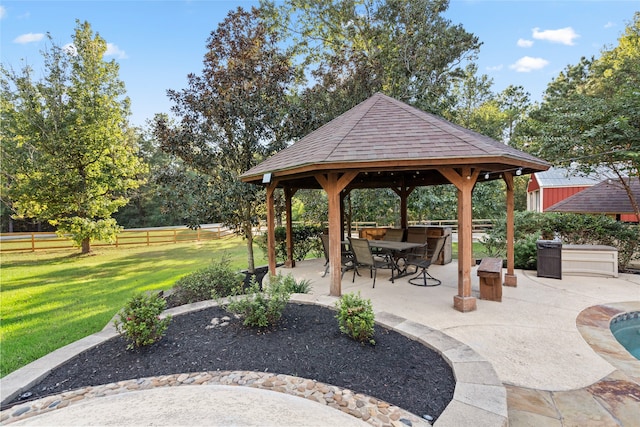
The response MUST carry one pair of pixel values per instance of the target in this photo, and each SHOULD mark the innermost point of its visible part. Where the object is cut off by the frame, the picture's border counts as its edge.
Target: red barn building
(547, 189)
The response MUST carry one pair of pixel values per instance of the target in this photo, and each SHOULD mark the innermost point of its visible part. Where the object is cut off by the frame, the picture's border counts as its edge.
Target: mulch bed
(306, 343)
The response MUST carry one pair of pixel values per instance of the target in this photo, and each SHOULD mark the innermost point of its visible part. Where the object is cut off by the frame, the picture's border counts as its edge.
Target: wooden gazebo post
(288, 195)
(333, 183)
(510, 279)
(271, 228)
(464, 182)
(403, 192)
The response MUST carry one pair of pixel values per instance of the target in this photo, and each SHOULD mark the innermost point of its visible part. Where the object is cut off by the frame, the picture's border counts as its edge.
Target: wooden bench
(490, 273)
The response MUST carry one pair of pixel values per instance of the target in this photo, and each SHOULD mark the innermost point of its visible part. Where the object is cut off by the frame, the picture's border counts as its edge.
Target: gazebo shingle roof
(382, 130)
(607, 197)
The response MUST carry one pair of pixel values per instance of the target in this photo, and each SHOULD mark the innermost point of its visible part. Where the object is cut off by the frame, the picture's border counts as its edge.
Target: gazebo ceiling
(390, 144)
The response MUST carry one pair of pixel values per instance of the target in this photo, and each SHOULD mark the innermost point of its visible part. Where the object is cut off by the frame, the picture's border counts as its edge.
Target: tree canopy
(231, 117)
(351, 49)
(67, 158)
(590, 115)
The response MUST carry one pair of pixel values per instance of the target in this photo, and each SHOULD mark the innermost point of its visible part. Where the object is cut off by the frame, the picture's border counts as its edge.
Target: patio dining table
(394, 249)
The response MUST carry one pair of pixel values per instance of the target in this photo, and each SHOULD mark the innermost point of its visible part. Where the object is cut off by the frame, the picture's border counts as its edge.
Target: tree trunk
(86, 246)
(250, 261)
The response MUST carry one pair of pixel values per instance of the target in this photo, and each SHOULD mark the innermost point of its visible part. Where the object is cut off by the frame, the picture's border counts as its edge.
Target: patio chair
(394, 235)
(414, 235)
(390, 235)
(422, 259)
(363, 257)
(417, 235)
(346, 257)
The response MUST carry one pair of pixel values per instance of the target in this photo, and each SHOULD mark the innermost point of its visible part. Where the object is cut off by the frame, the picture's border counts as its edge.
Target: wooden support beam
(510, 279)
(271, 228)
(403, 192)
(333, 183)
(288, 195)
(464, 180)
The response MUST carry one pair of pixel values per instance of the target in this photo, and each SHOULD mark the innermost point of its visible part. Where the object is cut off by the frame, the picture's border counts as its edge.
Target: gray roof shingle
(382, 129)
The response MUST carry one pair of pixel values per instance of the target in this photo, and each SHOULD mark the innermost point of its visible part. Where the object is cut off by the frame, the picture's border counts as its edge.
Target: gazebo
(384, 143)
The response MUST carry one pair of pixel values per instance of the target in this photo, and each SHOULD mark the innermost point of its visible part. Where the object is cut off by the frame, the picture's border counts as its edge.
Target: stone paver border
(479, 396)
(593, 323)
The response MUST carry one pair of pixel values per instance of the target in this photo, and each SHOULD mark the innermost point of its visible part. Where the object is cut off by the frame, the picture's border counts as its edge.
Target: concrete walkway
(547, 344)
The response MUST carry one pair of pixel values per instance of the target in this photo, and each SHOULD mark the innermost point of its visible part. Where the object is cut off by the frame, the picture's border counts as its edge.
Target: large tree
(590, 115)
(351, 49)
(231, 117)
(67, 158)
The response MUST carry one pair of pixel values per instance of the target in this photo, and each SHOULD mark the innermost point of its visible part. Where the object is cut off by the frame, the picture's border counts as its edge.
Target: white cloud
(525, 43)
(113, 50)
(71, 49)
(495, 68)
(28, 38)
(3, 12)
(609, 24)
(527, 64)
(562, 35)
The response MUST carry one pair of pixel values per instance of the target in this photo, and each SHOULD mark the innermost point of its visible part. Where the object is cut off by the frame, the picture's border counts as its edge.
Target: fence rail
(14, 242)
(478, 225)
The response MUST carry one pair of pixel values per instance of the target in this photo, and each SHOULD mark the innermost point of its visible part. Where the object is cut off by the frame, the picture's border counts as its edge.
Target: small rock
(406, 422)
(21, 411)
(427, 417)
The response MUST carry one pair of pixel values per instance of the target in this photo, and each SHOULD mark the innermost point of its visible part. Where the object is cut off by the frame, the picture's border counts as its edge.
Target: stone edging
(479, 396)
(369, 409)
(593, 323)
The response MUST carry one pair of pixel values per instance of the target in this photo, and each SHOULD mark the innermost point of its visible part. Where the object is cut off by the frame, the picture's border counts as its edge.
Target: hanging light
(519, 171)
(486, 175)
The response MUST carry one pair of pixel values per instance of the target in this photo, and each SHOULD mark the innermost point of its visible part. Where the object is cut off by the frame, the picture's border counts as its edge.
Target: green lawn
(50, 299)
(479, 250)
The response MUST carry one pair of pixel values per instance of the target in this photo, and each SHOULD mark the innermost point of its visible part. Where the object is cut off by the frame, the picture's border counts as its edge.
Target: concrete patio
(553, 376)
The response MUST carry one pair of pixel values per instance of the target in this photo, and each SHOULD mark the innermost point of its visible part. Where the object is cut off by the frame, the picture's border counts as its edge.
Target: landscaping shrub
(355, 317)
(525, 253)
(261, 309)
(216, 280)
(570, 228)
(293, 287)
(139, 321)
(306, 240)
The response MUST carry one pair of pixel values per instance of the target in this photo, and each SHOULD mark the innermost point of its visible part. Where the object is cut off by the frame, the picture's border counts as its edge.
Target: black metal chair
(346, 256)
(363, 257)
(421, 259)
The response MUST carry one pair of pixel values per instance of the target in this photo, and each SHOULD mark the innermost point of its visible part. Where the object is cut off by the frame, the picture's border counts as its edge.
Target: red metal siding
(533, 184)
(628, 218)
(555, 195)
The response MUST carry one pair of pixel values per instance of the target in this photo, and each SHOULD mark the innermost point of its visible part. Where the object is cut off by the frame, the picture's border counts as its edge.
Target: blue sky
(157, 43)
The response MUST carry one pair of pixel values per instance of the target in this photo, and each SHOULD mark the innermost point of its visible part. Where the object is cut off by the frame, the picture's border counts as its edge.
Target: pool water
(626, 329)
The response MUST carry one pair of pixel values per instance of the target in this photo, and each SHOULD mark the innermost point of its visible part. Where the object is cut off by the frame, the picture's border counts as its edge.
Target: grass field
(50, 299)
